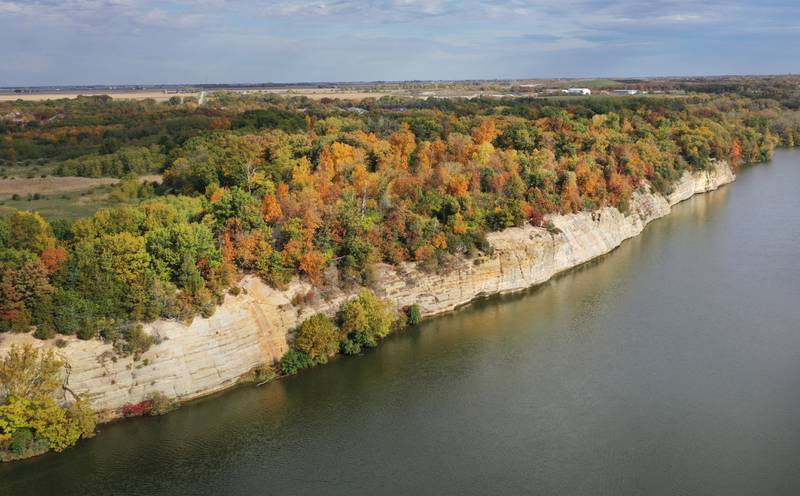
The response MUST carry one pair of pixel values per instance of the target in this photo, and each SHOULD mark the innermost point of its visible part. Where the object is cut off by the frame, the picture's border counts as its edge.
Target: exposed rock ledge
(254, 327)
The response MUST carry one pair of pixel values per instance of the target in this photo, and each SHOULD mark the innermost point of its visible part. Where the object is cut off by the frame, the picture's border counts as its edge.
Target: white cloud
(349, 39)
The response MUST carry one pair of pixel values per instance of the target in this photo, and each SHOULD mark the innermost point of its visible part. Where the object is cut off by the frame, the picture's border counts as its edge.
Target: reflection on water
(669, 366)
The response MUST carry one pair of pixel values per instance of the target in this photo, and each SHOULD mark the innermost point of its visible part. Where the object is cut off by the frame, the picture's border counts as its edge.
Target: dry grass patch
(51, 185)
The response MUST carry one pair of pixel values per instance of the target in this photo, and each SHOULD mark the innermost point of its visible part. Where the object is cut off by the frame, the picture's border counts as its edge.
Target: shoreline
(255, 328)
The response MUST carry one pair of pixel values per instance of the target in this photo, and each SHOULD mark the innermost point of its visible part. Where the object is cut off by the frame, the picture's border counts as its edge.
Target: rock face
(526, 256)
(255, 327)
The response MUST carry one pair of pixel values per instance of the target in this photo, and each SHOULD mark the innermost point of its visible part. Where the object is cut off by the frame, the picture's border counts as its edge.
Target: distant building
(624, 92)
(579, 91)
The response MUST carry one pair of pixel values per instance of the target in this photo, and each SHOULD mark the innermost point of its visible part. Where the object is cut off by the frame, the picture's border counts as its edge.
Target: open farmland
(126, 95)
(160, 95)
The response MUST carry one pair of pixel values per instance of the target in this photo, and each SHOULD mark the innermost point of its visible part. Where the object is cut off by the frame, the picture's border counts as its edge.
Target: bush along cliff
(35, 417)
(359, 324)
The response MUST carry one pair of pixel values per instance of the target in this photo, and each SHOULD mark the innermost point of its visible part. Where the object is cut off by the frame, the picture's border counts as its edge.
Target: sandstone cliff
(254, 327)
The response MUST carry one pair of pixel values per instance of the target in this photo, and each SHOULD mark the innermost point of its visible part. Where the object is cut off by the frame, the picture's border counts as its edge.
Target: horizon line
(386, 81)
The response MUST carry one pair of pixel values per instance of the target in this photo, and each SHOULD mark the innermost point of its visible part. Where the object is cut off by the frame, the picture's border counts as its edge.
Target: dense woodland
(324, 190)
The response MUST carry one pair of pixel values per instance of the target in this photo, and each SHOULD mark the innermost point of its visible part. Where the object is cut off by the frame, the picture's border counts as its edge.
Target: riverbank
(254, 327)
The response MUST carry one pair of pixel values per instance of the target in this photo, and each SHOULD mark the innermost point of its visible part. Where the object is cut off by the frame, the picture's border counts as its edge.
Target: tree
(318, 338)
(170, 246)
(53, 257)
(237, 204)
(29, 381)
(517, 136)
(28, 231)
(313, 263)
(28, 373)
(363, 321)
(271, 208)
(486, 132)
(570, 195)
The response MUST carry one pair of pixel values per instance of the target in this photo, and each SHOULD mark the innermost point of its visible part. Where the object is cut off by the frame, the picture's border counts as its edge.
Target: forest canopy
(324, 190)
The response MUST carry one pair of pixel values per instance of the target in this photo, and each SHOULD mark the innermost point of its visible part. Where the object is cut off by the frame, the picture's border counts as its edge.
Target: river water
(670, 366)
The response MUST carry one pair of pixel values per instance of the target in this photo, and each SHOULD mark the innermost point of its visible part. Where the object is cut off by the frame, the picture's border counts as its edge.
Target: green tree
(364, 320)
(239, 205)
(318, 338)
(29, 381)
(28, 373)
(28, 231)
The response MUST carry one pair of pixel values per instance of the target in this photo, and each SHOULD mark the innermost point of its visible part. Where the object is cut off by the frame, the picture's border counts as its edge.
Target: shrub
(303, 298)
(294, 361)
(44, 331)
(137, 409)
(21, 440)
(264, 374)
(413, 315)
(87, 332)
(273, 269)
(161, 403)
(136, 340)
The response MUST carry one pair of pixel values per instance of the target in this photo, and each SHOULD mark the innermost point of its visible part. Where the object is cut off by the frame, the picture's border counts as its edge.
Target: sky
(62, 42)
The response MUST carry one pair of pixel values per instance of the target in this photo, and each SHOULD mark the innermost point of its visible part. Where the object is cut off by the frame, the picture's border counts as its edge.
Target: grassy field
(60, 197)
(50, 185)
(27, 168)
(64, 206)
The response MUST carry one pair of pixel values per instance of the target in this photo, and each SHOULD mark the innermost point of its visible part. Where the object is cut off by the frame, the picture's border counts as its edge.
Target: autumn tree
(29, 382)
(28, 231)
(363, 321)
(317, 337)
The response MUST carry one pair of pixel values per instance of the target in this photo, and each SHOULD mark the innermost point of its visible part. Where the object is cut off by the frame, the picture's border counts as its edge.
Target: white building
(579, 91)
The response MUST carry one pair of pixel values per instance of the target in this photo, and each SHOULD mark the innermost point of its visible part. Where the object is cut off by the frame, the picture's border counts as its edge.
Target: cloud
(282, 40)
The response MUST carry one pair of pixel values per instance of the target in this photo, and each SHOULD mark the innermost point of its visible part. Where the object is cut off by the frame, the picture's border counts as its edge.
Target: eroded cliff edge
(255, 327)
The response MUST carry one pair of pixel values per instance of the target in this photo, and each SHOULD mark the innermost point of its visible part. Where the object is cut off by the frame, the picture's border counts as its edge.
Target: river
(670, 366)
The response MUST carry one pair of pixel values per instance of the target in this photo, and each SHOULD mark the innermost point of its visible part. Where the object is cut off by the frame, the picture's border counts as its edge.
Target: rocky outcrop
(254, 327)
